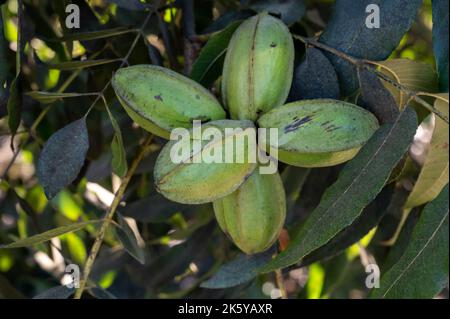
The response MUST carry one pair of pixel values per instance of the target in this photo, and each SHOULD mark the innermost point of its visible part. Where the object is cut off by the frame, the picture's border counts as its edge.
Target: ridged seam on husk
(180, 165)
(231, 208)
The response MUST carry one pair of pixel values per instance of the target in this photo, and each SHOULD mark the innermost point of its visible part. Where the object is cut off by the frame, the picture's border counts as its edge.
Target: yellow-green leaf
(415, 75)
(45, 236)
(435, 171)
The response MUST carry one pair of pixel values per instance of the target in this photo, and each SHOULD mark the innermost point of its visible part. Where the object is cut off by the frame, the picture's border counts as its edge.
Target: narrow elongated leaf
(422, 271)
(50, 97)
(130, 4)
(92, 35)
(435, 171)
(290, 11)
(417, 76)
(239, 271)
(62, 157)
(45, 236)
(358, 184)
(348, 32)
(368, 219)
(440, 40)
(315, 78)
(119, 156)
(129, 240)
(59, 292)
(376, 98)
(14, 106)
(101, 293)
(226, 19)
(208, 66)
(75, 65)
(153, 209)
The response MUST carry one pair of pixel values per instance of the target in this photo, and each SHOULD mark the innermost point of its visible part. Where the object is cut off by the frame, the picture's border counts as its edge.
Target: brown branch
(368, 65)
(109, 216)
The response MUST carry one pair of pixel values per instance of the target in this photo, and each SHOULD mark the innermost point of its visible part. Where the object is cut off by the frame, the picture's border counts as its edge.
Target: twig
(124, 62)
(191, 44)
(367, 64)
(280, 283)
(109, 216)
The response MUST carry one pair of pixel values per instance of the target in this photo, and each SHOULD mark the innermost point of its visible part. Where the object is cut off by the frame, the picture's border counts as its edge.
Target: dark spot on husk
(273, 45)
(158, 97)
(297, 123)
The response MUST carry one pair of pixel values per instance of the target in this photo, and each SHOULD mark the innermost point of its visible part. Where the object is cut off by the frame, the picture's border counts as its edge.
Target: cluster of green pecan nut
(257, 74)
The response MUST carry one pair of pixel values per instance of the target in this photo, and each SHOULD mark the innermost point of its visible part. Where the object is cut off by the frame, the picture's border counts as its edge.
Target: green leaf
(129, 241)
(347, 32)
(315, 78)
(376, 98)
(416, 76)
(92, 35)
(130, 4)
(440, 40)
(14, 106)
(358, 184)
(290, 11)
(153, 209)
(435, 173)
(119, 156)
(50, 97)
(75, 65)
(363, 224)
(59, 292)
(422, 271)
(63, 157)
(45, 236)
(208, 66)
(239, 271)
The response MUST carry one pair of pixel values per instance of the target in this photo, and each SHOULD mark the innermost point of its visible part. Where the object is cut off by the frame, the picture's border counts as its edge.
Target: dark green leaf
(92, 35)
(368, 219)
(153, 209)
(45, 236)
(50, 97)
(8, 291)
(59, 292)
(347, 32)
(239, 271)
(130, 4)
(46, 29)
(14, 106)
(119, 156)
(75, 65)
(290, 11)
(314, 78)
(208, 66)
(358, 184)
(376, 98)
(226, 19)
(62, 157)
(422, 271)
(101, 293)
(440, 40)
(129, 240)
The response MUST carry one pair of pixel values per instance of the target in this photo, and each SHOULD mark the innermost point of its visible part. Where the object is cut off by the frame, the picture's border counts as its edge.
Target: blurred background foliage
(180, 245)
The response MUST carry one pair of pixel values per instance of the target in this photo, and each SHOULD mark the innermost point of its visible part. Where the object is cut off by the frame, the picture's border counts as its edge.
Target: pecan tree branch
(368, 65)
